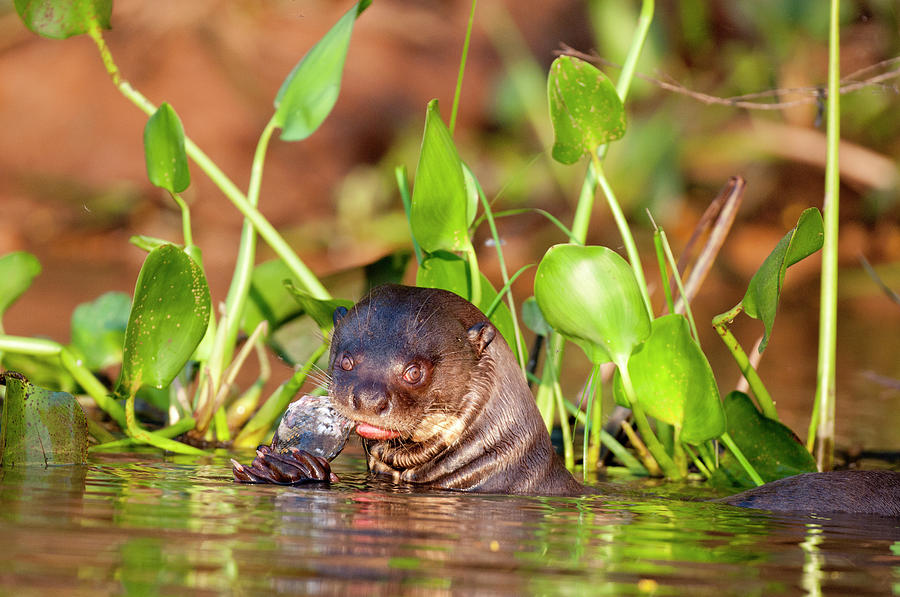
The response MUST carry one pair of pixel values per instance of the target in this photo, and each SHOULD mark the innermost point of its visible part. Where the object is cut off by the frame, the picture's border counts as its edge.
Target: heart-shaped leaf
(60, 19)
(311, 89)
(17, 270)
(40, 426)
(98, 329)
(674, 383)
(590, 295)
(761, 300)
(584, 108)
(771, 447)
(440, 200)
(167, 164)
(169, 317)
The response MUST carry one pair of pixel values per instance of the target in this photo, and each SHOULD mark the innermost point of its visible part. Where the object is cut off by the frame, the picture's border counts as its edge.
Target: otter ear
(480, 335)
(338, 314)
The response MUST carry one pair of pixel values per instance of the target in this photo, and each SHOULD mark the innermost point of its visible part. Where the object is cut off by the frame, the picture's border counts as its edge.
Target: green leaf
(60, 19)
(449, 272)
(168, 319)
(533, 318)
(761, 300)
(585, 109)
(311, 89)
(98, 329)
(167, 165)
(321, 311)
(590, 295)
(148, 243)
(268, 298)
(40, 426)
(17, 270)
(771, 447)
(674, 383)
(440, 201)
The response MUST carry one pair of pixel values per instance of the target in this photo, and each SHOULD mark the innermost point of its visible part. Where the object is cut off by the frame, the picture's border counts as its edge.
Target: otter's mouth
(372, 432)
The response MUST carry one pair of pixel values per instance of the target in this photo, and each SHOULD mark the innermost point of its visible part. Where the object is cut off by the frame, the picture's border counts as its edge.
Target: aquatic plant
(174, 352)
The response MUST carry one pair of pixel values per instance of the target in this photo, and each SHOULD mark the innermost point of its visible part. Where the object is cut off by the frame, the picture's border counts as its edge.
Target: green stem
(619, 451)
(592, 422)
(93, 387)
(505, 290)
(462, 68)
(698, 462)
(568, 452)
(507, 281)
(474, 276)
(585, 205)
(226, 338)
(185, 220)
(656, 448)
(825, 387)
(262, 421)
(37, 347)
(763, 398)
(266, 231)
(544, 397)
(622, 224)
(174, 430)
(403, 185)
(634, 52)
(729, 443)
(154, 439)
(684, 298)
(522, 210)
(663, 270)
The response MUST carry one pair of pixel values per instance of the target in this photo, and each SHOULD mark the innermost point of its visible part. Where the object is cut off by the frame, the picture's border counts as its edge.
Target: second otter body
(437, 395)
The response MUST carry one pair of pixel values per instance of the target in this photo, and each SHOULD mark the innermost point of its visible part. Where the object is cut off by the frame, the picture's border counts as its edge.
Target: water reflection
(140, 525)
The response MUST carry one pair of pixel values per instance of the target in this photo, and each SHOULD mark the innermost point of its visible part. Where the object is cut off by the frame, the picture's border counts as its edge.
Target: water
(143, 525)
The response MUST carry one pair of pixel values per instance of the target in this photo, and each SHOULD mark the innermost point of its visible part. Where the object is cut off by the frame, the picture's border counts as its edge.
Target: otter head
(401, 360)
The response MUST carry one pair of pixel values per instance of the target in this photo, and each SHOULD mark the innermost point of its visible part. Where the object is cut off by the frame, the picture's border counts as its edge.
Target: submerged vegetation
(175, 352)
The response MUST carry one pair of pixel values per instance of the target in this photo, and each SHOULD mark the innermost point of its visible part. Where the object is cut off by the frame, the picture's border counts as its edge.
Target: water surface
(141, 524)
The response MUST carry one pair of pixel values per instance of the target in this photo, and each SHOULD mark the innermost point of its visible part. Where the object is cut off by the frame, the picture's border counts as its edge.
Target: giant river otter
(435, 392)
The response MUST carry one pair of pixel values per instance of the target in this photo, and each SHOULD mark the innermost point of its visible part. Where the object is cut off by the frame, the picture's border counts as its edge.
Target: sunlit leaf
(311, 89)
(440, 200)
(674, 383)
(761, 300)
(17, 270)
(584, 108)
(168, 319)
(98, 329)
(449, 272)
(167, 164)
(59, 19)
(40, 426)
(590, 294)
(771, 447)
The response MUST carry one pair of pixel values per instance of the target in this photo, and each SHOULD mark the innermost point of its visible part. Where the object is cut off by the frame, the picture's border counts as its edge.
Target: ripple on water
(143, 524)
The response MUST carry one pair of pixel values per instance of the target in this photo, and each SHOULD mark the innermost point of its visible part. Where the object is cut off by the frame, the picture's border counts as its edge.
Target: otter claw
(293, 468)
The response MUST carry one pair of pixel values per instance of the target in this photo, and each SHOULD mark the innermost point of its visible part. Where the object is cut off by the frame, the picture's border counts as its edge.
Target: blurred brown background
(73, 186)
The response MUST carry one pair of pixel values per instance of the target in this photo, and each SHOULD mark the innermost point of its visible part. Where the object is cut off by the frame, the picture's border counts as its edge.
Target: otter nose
(370, 399)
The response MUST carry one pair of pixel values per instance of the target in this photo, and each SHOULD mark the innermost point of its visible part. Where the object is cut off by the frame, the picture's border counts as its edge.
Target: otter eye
(413, 374)
(346, 362)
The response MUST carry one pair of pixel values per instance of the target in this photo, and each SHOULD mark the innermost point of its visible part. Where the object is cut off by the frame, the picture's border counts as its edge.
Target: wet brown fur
(471, 425)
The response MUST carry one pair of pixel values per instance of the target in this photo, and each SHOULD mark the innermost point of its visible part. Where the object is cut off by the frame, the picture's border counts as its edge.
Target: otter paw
(292, 468)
